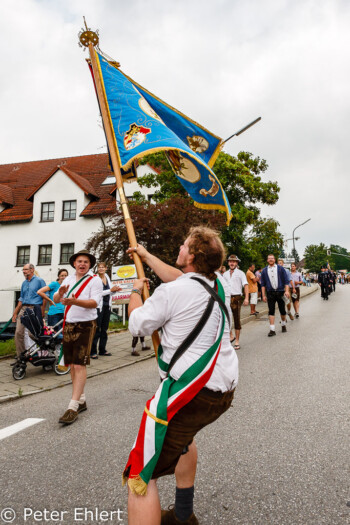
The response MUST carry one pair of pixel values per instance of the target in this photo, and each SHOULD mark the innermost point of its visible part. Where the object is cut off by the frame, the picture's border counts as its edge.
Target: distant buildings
(48, 210)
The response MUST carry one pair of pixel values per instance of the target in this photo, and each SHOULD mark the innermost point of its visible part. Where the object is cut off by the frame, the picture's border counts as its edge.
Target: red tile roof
(6, 195)
(19, 182)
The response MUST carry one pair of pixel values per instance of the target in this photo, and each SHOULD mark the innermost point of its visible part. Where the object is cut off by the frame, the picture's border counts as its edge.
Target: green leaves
(315, 257)
(249, 235)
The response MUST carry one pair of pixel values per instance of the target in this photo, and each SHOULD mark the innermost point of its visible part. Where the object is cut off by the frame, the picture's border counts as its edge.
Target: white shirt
(273, 276)
(236, 281)
(176, 307)
(105, 292)
(93, 290)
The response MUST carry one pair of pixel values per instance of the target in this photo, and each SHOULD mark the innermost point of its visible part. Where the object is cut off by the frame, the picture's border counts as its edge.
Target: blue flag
(144, 124)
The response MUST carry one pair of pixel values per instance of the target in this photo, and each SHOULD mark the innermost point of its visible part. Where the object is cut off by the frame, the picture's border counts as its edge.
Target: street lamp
(302, 224)
(290, 239)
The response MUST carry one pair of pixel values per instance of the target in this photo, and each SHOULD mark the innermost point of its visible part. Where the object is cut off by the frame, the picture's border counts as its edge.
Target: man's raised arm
(164, 271)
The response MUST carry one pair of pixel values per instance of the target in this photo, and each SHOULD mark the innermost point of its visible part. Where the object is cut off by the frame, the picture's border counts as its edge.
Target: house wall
(34, 233)
(57, 189)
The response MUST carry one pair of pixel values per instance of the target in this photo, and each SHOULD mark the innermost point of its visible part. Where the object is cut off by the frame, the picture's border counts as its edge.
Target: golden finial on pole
(87, 37)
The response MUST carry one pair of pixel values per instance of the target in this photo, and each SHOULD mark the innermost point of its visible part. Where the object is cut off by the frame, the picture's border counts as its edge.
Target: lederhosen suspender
(214, 297)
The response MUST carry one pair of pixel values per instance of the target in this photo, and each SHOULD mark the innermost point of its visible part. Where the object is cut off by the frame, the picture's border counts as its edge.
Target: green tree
(295, 255)
(160, 227)
(340, 262)
(263, 239)
(249, 236)
(316, 256)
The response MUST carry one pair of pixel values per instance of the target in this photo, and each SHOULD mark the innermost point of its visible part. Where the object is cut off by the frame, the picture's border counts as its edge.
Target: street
(279, 456)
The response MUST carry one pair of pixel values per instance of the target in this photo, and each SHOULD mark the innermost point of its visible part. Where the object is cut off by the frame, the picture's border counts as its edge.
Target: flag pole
(90, 39)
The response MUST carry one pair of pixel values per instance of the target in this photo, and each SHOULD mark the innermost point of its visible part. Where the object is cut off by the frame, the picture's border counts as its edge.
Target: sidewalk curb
(12, 397)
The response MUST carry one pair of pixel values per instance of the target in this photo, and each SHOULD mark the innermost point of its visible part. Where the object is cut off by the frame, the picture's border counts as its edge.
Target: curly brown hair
(208, 250)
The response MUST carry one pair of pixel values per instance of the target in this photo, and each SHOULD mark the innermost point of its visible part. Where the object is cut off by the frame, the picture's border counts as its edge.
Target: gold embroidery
(213, 190)
(197, 143)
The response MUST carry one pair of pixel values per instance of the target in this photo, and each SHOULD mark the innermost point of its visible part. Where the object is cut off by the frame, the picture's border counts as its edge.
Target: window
(47, 211)
(67, 251)
(45, 254)
(109, 180)
(23, 253)
(69, 211)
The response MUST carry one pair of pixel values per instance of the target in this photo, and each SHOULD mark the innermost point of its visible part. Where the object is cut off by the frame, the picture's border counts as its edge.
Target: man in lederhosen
(275, 285)
(198, 389)
(81, 294)
(237, 282)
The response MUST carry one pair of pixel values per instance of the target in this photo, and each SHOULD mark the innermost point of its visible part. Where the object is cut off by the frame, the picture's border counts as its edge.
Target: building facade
(48, 210)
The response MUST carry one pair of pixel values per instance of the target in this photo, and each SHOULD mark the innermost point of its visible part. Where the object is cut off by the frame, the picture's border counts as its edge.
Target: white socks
(272, 328)
(82, 399)
(73, 405)
(283, 323)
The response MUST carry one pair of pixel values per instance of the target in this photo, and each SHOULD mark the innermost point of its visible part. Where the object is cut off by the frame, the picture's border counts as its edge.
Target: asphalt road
(279, 456)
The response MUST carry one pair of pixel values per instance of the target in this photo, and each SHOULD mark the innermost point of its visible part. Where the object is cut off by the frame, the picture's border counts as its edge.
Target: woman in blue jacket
(56, 311)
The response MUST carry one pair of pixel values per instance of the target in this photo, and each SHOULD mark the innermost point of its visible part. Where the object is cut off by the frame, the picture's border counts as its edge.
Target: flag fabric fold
(143, 124)
(170, 397)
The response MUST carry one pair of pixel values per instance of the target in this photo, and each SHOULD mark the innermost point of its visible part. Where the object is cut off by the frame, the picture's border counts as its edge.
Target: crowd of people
(36, 295)
(327, 280)
(198, 311)
(272, 284)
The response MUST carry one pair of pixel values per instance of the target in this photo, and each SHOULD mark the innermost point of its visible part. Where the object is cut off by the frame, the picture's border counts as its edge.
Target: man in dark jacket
(323, 281)
(274, 285)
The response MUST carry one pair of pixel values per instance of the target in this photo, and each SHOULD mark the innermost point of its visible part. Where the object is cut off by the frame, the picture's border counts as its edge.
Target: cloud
(223, 63)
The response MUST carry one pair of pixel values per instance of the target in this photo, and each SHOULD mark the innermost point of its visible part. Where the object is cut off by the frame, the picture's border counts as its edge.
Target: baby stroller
(45, 349)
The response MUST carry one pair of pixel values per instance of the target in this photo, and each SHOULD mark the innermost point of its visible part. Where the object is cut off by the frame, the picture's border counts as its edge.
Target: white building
(48, 210)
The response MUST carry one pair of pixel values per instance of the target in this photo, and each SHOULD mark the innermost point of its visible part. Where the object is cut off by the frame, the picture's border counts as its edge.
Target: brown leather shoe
(284, 329)
(146, 348)
(68, 417)
(169, 518)
(271, 333)
(135, 353)
(82, 407)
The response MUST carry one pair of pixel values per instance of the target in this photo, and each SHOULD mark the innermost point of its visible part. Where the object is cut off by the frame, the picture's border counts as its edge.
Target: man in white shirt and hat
(237, 282)
(79, 325)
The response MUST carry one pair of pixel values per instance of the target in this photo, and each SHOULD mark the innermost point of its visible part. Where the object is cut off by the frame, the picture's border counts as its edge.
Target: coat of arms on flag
(135, 136)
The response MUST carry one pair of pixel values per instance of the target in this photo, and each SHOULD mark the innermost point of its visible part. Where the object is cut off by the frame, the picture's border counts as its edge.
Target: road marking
(17, 427)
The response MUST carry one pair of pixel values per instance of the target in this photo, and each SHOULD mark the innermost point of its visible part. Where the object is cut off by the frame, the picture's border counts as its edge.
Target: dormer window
(47, 211)
(109, 180)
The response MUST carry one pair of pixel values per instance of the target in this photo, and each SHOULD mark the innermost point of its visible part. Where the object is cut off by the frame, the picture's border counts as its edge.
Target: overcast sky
(222, 62)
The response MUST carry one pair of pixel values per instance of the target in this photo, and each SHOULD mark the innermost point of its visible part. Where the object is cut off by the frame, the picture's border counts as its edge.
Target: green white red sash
(170, 397)
(66, 310)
